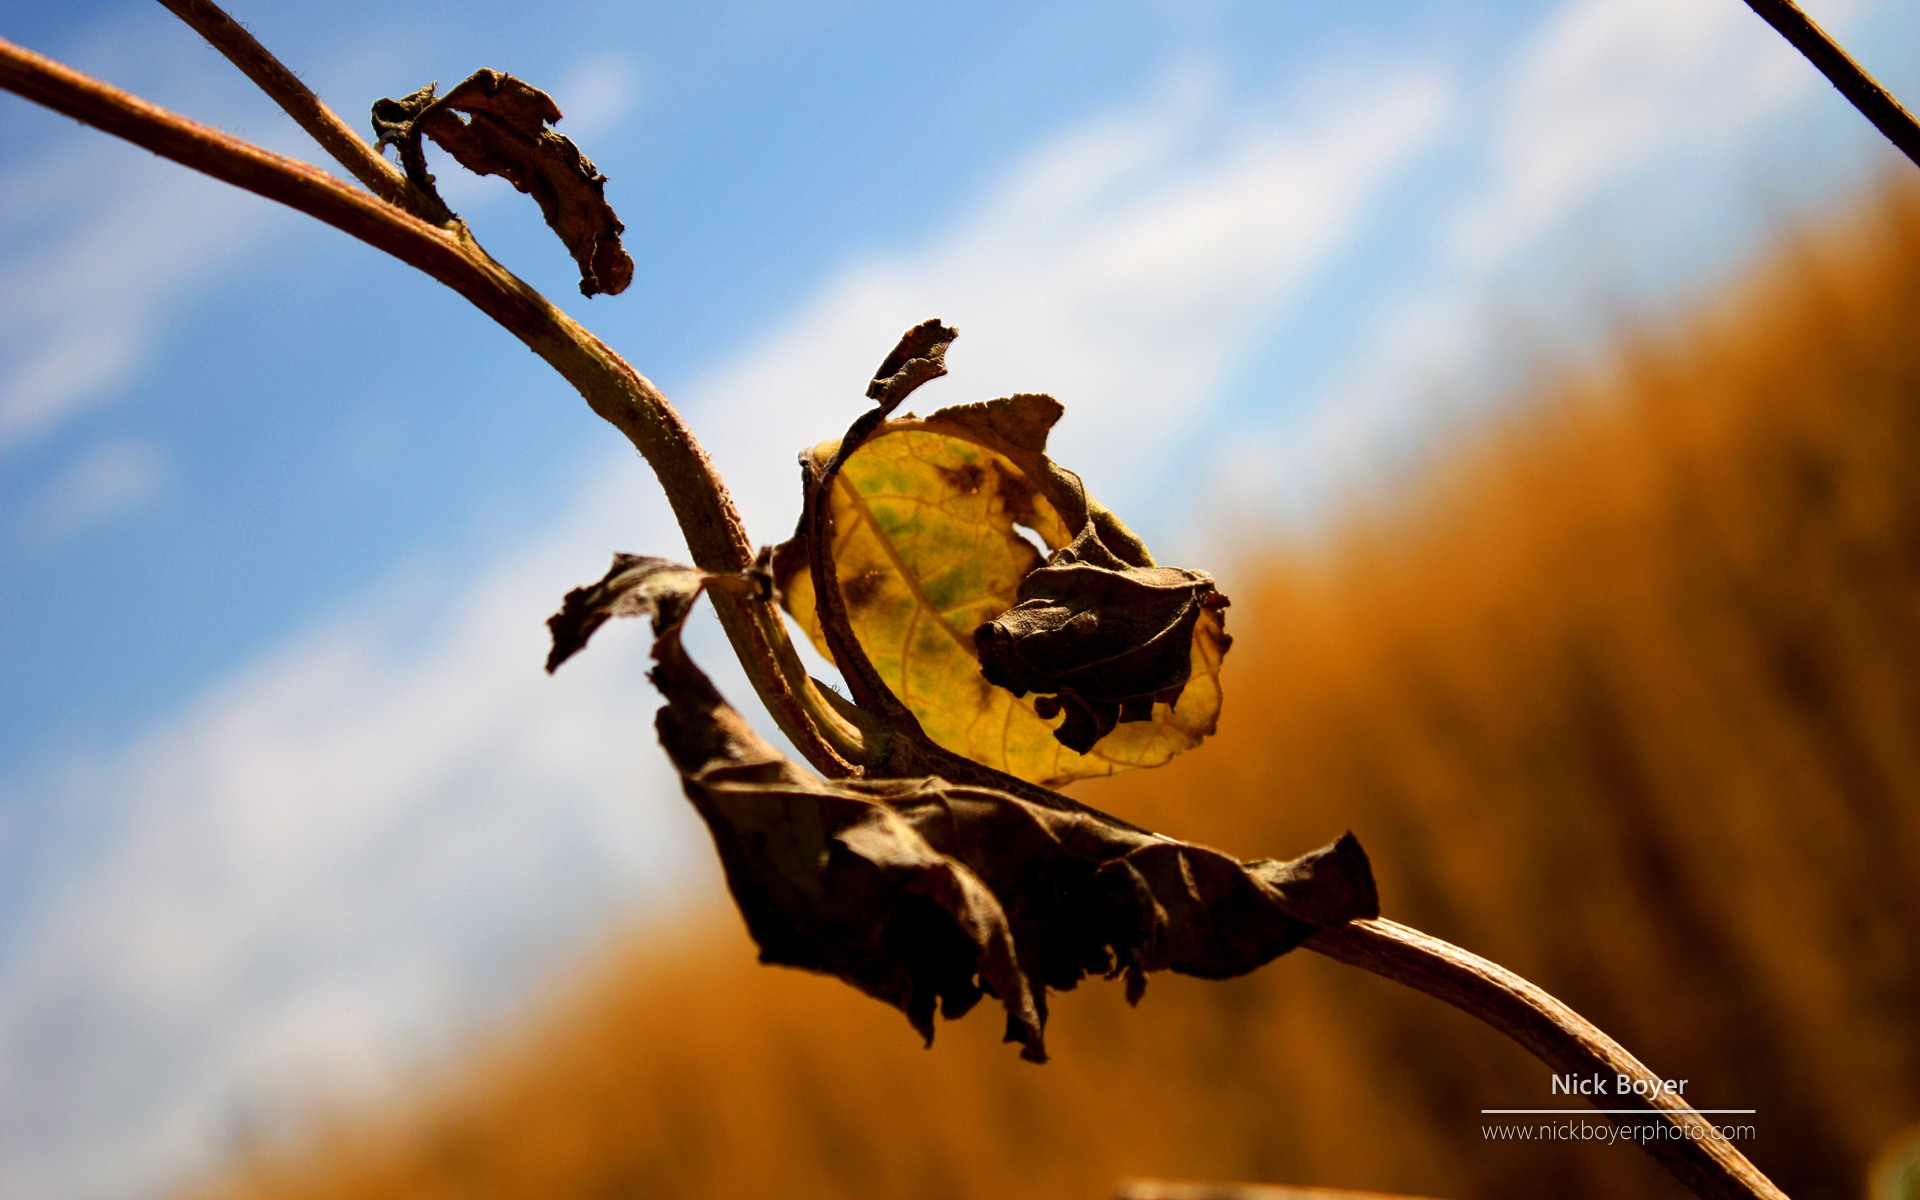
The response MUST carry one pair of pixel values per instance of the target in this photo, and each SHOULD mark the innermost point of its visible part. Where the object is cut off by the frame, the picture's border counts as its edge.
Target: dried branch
(1875, 103)
(719, 544)
(1682, 1140)
(284, 88)
(623, 397)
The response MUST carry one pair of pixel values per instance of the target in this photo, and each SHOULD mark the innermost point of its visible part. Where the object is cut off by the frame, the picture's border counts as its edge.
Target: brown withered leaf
(929, 895)
(495, 124)
(933, 522)
(1099, 638)
(831, 880)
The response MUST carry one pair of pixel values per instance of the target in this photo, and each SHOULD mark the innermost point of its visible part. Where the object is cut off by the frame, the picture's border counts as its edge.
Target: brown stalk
(1862, 90)
(311, 113)
(1561, 1038)
(718, 542)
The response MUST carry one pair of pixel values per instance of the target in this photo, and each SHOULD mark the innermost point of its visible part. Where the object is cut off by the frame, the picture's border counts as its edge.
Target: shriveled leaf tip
(634, 586)
(920, 356)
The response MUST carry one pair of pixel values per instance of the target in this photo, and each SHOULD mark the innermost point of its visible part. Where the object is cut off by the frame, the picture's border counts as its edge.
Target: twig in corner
(1862, 90)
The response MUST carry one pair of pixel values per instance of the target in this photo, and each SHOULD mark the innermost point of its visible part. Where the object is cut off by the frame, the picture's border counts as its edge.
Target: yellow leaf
(928, 520)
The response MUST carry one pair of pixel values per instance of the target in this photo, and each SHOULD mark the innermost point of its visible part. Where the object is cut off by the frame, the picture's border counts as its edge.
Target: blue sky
(285, 802)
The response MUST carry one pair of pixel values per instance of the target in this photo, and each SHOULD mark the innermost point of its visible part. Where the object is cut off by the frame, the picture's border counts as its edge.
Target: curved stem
(718, 543)
(715, 535)
(1875, 103)
(1681, 1139)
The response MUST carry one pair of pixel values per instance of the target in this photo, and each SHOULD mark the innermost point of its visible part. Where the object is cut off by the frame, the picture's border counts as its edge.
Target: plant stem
(715, 535)
(1683, 1141)
(1875, 103)
(284, 88)
(718, 542)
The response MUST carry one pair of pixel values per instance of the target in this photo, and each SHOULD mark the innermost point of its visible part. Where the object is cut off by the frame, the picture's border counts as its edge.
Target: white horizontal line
(1651, 1112)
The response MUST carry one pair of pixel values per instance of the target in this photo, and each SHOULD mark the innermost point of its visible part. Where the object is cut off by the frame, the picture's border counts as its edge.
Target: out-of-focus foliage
(1631, 704)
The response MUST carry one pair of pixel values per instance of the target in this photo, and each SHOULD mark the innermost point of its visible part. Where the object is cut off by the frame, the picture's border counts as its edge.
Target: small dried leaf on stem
(495, 124)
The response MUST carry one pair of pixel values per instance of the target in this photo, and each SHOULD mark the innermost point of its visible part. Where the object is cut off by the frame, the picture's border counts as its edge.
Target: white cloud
(601, 92)
(321, 864)
(1414, 348)
(1609, 86)
(1124, 269)
(116, 243)
(326, 861)
(111, 478)
(1606, 95)
(128, 241)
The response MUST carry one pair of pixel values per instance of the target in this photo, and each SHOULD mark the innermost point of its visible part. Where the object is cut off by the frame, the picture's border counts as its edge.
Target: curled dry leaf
(932, 523)
(639, 585)
(495, 124)
(1099, 638)
(930, 895)
(635, 585)
(920, 356)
